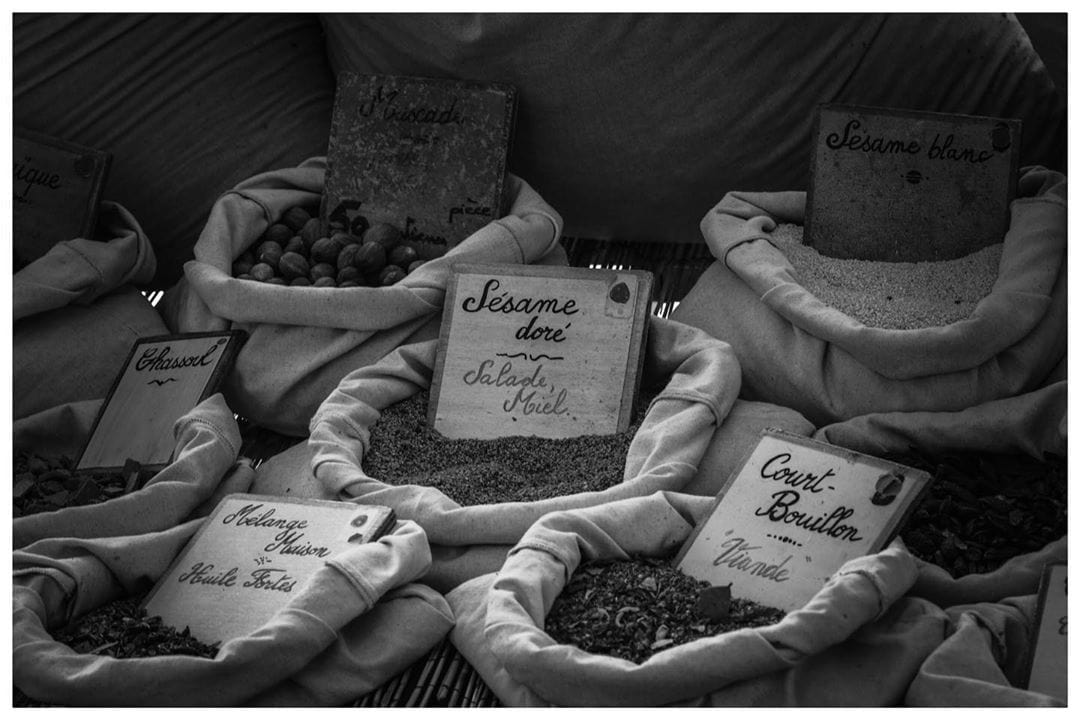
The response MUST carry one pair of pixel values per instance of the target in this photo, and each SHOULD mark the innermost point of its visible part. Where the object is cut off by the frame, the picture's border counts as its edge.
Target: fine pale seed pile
(405, 451)
(892, 295)
(634, 608)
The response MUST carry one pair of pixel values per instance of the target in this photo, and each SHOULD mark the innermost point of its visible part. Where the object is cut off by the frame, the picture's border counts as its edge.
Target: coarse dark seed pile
(892, 295)
(634, 608)
(983, 509)
(43, 484)
(121, 629)
(405, 451)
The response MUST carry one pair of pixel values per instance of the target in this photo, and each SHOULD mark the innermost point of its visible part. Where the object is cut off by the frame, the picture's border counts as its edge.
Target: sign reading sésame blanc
(794, 512)
(552, 352)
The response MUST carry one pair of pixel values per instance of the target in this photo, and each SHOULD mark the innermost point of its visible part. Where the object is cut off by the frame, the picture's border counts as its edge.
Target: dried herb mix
(46, 484)
(632, 609)
(405, 451)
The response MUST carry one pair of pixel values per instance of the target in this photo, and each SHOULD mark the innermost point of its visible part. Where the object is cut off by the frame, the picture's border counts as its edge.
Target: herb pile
(634, 608)
(405, 451)
(42, 485)
(983, 509)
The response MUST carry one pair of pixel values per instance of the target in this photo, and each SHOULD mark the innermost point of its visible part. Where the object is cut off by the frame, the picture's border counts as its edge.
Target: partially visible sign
(251, 556)
(793, 513)
(553, 352)
(162, 379)
(57, 188)
(1049, 672)
(909, 186)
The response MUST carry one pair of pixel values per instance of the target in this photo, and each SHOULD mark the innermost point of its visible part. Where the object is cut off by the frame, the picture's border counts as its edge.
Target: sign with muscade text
(793, 513)
(905, 186)
(552, 352)
(163, 378)
(252, 555)
(1049, 668)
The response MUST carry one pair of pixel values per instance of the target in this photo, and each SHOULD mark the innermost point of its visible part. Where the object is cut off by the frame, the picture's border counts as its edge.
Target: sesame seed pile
(892, 295)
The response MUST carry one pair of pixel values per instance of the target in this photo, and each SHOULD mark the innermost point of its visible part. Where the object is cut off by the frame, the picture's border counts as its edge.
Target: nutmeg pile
(294, 251)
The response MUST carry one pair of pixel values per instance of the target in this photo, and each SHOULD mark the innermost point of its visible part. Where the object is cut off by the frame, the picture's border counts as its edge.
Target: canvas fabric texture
(700, 381)
(858, 642)
(77, 313)
(799, 353)
(303, 340)
(357, 622)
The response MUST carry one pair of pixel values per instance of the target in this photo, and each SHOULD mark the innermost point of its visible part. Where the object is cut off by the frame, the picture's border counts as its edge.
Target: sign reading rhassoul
(427, 156)
(907, 186)
(252, 556)
(162, 379)
(57, 187)
(541, 351)
(794, 512)
(1049, 668)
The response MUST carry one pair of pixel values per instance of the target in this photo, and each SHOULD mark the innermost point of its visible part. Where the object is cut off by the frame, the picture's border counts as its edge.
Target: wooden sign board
(252, 556)
(163, 378)
(1048, 671)
(908, 186)
(57, 187)
(793, 513)
(426, 155)
(551, 352)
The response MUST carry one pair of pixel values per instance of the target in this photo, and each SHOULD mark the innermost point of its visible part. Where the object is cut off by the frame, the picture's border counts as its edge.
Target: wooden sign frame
(1033, 652)
(234, 340)
(920, 478)
(376, 521)
(637, 311)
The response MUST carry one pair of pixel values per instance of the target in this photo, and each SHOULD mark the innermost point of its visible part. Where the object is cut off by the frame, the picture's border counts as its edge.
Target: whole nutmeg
(349, 283)
(311, 231)
(383, 233)
(344, 238)
(244, 276)
(337, 224)
(295, 218)
(323, 270)
(242, 265)
(347, 256)
(276, 280)
(269, 252)
(370, 258)
(262, 272)
(402, 256)
(296, 245)
(293, 265)
(300, 282)
(325, 250)
(390, 275)
(348, 273)
(413, 265)
(279, 233)
(325, 282)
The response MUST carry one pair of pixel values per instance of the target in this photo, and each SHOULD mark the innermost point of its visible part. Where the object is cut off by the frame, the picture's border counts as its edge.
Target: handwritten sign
(57, 187)
(251, 556)
(1049, 669)
(909, 186)
(426, 155)
(162, 379)
(792, 514)
(544, 351)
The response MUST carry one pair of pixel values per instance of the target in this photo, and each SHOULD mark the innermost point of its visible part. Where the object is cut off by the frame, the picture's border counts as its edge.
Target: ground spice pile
(45, 484)
(983, 509)
(405, 451)
(634, 608)
(892, 295)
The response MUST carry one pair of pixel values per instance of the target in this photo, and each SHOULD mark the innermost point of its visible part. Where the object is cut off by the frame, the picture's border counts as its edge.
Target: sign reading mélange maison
(794, 512)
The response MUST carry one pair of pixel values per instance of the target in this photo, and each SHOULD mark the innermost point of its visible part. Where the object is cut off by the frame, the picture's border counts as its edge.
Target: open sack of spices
(81, 574)
(969, 344)
(589, 610)
(76, 312)
(370, 441)
(316, 308)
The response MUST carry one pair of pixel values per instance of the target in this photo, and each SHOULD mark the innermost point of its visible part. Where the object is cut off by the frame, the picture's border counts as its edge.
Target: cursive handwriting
(29, 176)
(851, 140)
(473, 208)
(245, 517)
(203, 574)
(506, 303)
(287, 542)
(530, 405)
(271, 579)
(737, 556)
(506, 377)
(157, 359)
(793, 478)
(829, 524)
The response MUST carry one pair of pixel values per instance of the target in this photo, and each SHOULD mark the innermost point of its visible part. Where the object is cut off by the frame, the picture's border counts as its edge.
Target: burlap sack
(303, 340)
(700, 382)
(797, 352)
(857, 642)
(77, 312)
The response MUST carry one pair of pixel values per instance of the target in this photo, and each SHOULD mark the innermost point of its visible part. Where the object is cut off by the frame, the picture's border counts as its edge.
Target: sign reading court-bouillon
(793, 513)
(552, 352)
(905, 186)
(428, 156)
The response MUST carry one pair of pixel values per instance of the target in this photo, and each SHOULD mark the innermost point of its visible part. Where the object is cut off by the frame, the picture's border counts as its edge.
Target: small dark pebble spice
(983, 509)
(632, 609)
(45, 484)
(405, 451)
(121, 629)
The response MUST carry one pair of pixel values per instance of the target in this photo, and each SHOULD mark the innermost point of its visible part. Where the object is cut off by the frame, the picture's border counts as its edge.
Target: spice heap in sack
(634, 608)
(405, 451)
(892, 295)
(46, 484)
